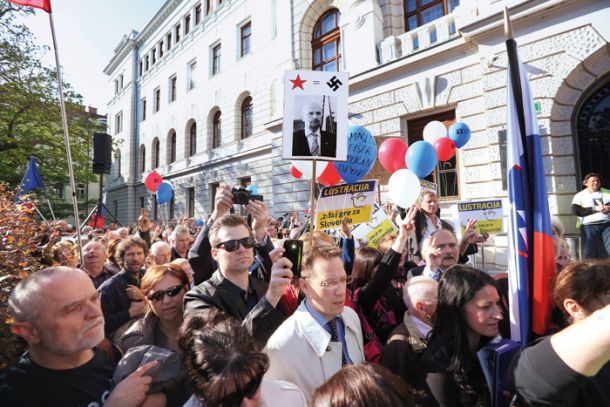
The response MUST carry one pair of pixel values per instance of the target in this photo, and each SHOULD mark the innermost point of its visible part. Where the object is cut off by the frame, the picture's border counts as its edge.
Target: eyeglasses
(233, 245)
(343, 281)
(170, 292)
(235, 398)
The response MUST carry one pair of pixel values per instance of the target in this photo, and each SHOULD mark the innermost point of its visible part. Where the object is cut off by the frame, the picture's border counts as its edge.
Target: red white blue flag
(531, 252)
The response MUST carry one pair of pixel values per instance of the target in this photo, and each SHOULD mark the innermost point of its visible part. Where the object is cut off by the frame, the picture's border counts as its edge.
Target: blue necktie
(334, 337)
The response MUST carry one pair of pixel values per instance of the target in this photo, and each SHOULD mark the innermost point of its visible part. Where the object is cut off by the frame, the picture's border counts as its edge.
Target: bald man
(312, 140)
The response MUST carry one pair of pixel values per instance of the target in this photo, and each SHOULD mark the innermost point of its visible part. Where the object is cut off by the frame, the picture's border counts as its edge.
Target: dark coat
(328, 144)
(216, 292)
(115, 301)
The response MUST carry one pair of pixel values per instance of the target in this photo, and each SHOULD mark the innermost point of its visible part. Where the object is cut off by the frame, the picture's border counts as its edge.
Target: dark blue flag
(31, 180)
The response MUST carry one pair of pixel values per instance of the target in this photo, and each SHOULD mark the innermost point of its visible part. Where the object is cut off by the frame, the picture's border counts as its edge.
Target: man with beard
(440, 251)
(94, 257)
(57, 311)
(121, 298)
(312, 141)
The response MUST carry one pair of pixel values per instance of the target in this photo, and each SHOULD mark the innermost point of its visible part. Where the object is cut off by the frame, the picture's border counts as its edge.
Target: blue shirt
(340, 328)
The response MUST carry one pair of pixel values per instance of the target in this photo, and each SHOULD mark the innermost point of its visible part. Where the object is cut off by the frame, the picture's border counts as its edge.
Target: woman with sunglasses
(224, 367)
(164, 288)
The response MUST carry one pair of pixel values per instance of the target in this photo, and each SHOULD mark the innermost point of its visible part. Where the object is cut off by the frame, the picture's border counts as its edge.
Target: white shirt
(431, 227)
(588, 199)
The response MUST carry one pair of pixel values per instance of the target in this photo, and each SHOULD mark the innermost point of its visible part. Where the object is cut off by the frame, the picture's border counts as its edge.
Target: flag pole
(66, 136)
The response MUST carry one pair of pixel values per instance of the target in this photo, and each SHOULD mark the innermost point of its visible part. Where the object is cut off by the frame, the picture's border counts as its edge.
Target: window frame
(143, 109)
(192, 139)
(318, 42)
(216, 51)
(245, 39)
(173, 88)
(156, 153)
(419, 9)
(171, 145)
(217, 129)
(246, 110)
(156, 99)
(142, 157)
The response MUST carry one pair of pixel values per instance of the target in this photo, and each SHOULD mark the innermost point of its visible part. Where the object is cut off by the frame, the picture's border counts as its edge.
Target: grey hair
(417, 289)
(154, 247)
(179, 231)
(24, 302)
(427, 243)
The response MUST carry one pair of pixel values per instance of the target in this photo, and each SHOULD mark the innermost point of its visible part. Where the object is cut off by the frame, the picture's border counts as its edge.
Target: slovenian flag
(531, 252)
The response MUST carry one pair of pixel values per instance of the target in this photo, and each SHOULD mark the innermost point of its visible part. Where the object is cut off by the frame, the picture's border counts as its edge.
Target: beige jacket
(300, 350)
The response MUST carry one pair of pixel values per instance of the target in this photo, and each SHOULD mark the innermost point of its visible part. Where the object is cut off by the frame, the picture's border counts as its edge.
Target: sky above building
(87, 32)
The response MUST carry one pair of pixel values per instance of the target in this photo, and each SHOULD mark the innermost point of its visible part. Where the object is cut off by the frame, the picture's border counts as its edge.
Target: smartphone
(294, 253)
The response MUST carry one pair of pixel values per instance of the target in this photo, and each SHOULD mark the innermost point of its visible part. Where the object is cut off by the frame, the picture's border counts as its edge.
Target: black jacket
(300, 145)
(261, 321)
(115, 302)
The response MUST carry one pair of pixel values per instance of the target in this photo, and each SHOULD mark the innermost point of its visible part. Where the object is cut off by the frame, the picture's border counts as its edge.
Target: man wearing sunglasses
(200, 256)
(232, 289)
(322, 335)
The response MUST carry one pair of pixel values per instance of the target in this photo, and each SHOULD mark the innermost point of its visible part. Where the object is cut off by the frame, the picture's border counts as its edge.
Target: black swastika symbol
(334, 83)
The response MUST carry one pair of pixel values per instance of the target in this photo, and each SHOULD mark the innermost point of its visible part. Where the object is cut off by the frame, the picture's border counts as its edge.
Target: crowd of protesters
(211, 314)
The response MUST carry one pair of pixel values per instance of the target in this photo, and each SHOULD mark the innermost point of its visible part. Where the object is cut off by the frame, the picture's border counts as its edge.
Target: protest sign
(351, 202)
(315, 115)
(487, 213)
(428, 186)
(370, 233)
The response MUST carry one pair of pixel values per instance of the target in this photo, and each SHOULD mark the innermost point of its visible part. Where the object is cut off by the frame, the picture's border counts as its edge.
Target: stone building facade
(407, 66)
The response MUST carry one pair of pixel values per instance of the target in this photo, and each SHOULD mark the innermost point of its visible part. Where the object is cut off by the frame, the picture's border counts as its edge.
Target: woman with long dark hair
(467, 317)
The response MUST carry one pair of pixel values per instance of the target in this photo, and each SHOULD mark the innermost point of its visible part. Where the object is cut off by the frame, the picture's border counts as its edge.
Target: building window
(117, 163)
(146, 63)
(143, 107)
(154, 55)
(216, 130)
(191, 202)
(216, 59)
(208, 7)
(142, 158)
(197, 13)
(171, 150)
(155, 153)
(187, 24)
(59, 191)
(190, 74)
(172, 88)
(118, 123)
(121, 81)
(192, 139)
(140, 69)
(171, 208)
(157, 101)
(325, 42)
(246, 118)
(213, 189)
(161, 49)
(169, 41)
(420, 12)
(80, 191)
(177, 32)
(445, 175)
(246, 34)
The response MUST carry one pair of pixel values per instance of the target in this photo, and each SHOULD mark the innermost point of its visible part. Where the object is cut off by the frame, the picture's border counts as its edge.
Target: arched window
(117, 162)
(142, 158)
(246, 118)
(216, 130)
(156, 153)
(192, 139)
(171, 147)
(325, 42)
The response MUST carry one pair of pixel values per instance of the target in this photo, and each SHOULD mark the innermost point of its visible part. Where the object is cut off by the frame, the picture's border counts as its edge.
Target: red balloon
(152, 181)
(294, 172)
(392, 154)
(445, 148)
(329, 176)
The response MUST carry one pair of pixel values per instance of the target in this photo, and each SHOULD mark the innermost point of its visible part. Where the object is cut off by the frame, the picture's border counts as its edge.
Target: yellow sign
(334, 218)
(375, 235)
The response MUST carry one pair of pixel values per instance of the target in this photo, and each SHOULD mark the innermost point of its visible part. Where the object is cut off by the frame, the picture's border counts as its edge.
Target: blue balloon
(253, 189)
(199, 222)
(421, 158)
(165, 192)
(361, 155)
(460, 134)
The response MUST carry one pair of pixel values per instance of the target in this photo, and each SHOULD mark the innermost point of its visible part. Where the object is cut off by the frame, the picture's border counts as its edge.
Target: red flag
(41, 4)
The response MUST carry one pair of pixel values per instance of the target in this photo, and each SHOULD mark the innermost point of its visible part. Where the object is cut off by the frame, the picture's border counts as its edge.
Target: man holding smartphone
(322, 335)
(232, 289)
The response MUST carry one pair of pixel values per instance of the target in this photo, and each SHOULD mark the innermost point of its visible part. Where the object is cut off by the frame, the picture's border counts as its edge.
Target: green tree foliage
(30, 117)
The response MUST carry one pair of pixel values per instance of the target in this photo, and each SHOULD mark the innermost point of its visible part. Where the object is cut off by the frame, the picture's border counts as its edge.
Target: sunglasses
(233, 245)
(235, 398)
(170, 292)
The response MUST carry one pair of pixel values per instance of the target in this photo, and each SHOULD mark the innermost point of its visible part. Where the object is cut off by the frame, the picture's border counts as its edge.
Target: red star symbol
(297, 83)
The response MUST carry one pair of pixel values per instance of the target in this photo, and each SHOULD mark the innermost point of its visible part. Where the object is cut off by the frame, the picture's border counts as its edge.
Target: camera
(241, 196)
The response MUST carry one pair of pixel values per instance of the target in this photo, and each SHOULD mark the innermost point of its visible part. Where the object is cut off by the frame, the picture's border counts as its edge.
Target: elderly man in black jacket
(231, 288)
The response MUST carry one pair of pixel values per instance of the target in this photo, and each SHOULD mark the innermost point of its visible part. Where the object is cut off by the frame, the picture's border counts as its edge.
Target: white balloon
(306, 167)
(404, 188)
(434, 130)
